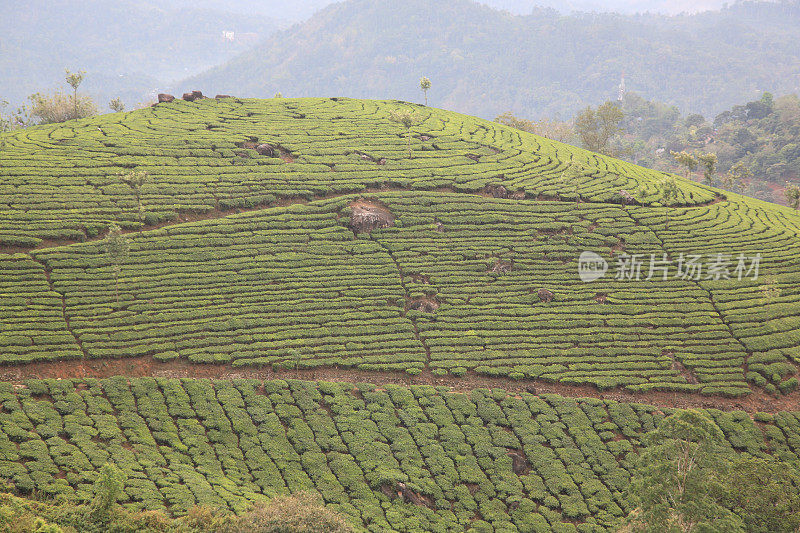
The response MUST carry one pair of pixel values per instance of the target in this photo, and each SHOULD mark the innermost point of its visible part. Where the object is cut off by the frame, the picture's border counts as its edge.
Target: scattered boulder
(164, 98)
(382, 161)
(601, 297)
(425, 305)
(502, 266)
(424, 138)
(193, 96)
(519, 463)
(409, 496)
(265, 149)
(220, 96)
(545, 295)
(369, 215)
(496, 191)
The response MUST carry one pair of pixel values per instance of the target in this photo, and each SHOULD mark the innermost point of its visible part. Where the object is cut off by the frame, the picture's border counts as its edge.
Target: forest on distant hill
(756, 144)
(128, 48)
(763, 135)
(484, 62)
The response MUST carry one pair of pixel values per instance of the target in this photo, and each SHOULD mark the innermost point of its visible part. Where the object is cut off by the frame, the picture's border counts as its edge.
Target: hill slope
(460, 259)
(549, 63)
(318, 239)
(486, 460)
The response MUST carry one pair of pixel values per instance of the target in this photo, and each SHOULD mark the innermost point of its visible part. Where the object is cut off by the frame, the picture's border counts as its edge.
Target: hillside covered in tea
(439, 259)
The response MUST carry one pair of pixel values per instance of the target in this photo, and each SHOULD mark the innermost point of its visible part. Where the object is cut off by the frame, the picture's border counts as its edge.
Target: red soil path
(756, 401)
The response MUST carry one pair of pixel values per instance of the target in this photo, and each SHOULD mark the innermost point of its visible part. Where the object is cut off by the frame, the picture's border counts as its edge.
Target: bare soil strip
(757, 401)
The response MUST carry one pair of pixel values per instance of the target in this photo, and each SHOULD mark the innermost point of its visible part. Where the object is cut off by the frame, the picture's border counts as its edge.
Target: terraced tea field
(486, 460)
(318, 238)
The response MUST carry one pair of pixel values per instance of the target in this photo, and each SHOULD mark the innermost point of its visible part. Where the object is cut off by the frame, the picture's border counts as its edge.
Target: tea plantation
(321, 234)
(486, 461)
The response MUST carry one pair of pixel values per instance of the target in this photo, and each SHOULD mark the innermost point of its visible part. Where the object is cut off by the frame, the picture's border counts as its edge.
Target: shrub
(299, 513)
(60, 107)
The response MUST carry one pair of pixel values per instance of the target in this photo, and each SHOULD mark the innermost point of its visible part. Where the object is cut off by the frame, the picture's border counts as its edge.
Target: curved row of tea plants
(62, 181)
(453, 286)
(485, 461)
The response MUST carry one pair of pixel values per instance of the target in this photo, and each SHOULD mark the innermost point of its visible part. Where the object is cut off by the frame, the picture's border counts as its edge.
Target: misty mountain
(297, 10)
(128, 48)
(669, 7)
(484, 62)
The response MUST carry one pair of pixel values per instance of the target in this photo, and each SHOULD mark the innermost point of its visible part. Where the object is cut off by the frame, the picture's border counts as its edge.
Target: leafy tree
(117, 248)
(552, 129)
(686, 160)
(116, 105)
(792, 194)
(735, 176)
(709, 164)
(765, 493)
(679, 481)
(108, 489)
(135, 179)
(596, 128)
(74, 80)
(425, 84)
(406, 118)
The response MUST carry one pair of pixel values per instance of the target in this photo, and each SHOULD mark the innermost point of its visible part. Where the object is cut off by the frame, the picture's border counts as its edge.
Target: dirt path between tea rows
(757, 401)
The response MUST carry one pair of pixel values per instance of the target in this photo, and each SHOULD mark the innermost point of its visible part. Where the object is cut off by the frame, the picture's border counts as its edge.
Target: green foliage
(792, 193)
(596, 128)
(765, 493)
(200, 449)
(686, 160)
(117, 248)
(709, 163)
(425, 85)
(136, 179)
(108, 489)
(679, 482)
(756, 144)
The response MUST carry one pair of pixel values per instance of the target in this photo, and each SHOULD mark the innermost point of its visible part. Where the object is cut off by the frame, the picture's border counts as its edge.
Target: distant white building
(228, 35)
